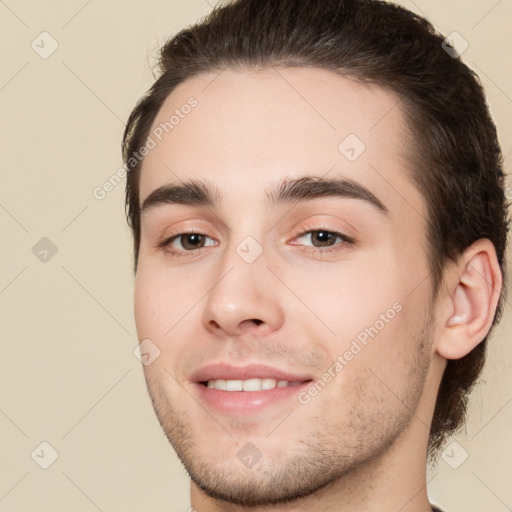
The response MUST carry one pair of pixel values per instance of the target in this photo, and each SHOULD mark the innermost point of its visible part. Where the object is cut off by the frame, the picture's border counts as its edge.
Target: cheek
(348, 297)
(166, 303)
(369, 311)
(152, 303)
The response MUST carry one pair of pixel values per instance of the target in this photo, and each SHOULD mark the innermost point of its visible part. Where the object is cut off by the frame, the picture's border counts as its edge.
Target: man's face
(278, 280)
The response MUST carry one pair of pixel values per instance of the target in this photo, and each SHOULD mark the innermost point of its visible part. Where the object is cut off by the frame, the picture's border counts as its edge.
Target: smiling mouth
(250, 385)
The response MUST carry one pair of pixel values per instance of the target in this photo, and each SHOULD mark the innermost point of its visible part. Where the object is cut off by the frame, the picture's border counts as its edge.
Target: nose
(243, 299)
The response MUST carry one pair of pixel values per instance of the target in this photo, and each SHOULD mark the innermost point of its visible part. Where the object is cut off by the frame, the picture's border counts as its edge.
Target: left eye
(322, 238)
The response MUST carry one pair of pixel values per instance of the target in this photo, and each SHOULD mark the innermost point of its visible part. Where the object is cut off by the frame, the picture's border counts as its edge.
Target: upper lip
(252, 371)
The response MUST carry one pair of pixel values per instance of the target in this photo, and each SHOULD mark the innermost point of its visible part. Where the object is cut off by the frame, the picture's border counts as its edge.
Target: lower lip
(246, 402)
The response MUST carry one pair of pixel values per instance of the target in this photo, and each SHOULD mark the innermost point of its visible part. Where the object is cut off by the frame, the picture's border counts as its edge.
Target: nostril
(257, 321)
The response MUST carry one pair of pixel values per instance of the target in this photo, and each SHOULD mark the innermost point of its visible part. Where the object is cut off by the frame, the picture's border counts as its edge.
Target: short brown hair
(456, 160)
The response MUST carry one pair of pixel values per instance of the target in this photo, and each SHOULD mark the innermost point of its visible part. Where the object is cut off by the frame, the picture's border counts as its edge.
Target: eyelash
(166, 242)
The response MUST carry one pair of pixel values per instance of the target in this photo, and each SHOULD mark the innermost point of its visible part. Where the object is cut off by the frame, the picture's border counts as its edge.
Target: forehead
(249, 129)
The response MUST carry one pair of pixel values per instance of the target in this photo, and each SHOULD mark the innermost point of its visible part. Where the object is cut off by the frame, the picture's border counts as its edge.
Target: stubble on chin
(329, 450)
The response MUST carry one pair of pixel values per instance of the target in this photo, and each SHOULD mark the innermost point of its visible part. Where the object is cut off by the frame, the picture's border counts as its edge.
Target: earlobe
(472, 298)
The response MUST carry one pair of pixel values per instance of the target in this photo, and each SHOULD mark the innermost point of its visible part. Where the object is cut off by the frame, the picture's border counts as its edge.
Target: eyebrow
(199, 193)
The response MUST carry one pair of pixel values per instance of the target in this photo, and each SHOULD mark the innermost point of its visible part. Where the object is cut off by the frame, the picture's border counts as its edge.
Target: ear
(469, 300)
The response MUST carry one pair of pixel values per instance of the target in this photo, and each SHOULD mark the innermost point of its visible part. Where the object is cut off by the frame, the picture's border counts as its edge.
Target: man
(316, 198)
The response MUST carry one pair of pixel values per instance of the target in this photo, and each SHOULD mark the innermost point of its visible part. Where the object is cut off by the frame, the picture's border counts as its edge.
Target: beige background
(68, 373)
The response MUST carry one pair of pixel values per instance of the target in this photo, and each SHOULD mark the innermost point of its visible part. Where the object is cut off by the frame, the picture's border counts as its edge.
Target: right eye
(186, 243)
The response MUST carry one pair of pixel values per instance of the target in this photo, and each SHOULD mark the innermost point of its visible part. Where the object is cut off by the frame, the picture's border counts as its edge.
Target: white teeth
(217, 384)
(252, 385)
(234, 385)
(249, 384)
(268, 383)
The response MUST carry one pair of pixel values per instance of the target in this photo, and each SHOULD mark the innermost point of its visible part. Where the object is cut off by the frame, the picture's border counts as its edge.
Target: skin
(360, 444)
